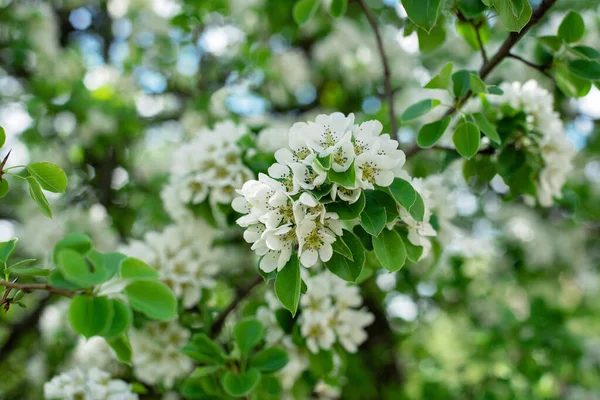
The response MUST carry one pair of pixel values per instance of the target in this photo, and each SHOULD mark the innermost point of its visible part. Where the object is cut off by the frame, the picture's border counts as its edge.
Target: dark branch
(387, 75)
(541, 68)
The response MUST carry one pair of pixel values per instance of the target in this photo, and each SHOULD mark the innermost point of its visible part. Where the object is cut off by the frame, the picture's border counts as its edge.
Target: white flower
(93, 384)
(308, 174)
(350, 326)
(329, 130)
(317, 332)
(156, 353)
(315, 242)
(374, 170)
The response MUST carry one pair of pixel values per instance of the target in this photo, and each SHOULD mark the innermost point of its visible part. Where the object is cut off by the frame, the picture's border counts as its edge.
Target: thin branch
(540, 68)
(239, 296)
(29, 287)
(387, 75)
(502, 53)
(480, 41)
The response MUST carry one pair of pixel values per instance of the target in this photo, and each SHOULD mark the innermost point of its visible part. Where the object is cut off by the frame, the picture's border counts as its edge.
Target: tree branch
(387, 76)
(502, 53)
(540, 68)
(29, 287)
(480, 41)
(239, 296)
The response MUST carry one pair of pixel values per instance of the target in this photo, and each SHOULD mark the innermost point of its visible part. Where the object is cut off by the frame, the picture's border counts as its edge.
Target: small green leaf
(585, 69)
(571, 28)
(471, 8)
(430, 133)
(202, 349)
(466, 138)
(6, 249)
(89, 316)
(2, 137)
(338, 8)
(570, 84)
(4, 187)
(507, 16)
(495, 90)
(345, 210)
(553, 43)
(51, 177)
(134, 269)
(340, 247)
(477, 85)
(28, 271)
(373, 218)
(418, 109)
(122, 348)
(304, 9)
(403, 192)
(76, 241)
(345, 178)
(248, 333)
(346, 268)
(121, 319)
(288, 284)
(442, 79)
(56, 279)
(461, 83)
(487, 128)
(321, 363)
(269, 360)
(423, 13)
(417, 210)
(35, 191)
(431, 41)
(154, 299)
(389, 250)
(585, 52)
(238, 385)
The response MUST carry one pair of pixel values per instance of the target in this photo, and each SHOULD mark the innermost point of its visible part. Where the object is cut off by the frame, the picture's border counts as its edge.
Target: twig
(387, 76)
(480, 41)
(28, 287)
(239, 296)
(540, 68)
(502, 53)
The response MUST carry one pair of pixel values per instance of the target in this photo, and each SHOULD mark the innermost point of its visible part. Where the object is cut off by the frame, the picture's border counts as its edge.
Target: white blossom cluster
(93, 384)
(156, 353)
(183, 256)
(208, 168)
(556, 150)
(283, 213)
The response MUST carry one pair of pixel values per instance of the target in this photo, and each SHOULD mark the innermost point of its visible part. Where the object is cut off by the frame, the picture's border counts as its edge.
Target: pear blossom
(93, 384)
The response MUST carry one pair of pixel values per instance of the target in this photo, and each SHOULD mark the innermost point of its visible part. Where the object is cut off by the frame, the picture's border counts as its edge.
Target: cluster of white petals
(285, 212)
(331, 313)
(551, 141)
(93, 384)
(208, 168)
(183, 256)
(156, 353)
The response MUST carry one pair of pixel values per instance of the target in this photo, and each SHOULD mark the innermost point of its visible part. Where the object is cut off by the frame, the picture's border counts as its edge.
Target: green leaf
(442, 79)
(430, 133)
(304, 9)
(469, 33)
(553, 43)
(517, 7)
(106, 265)
(466, 139)
(56, 279)
(461, 83)
(477, 85)
(154, 299)
(389, 250)
(373, 218)
(345, 210)
(431, 41)
(2, 137)
(585, 52)
(6, 249)
(288, 284)
(495, 90)
(122, 348)
(510, 21)
(423, 13)
(403, 192)
(35, 191)
(76, 241)
(269, 360)
(585, 69)
(340, 247)
(74, 268)
(471, 8)
(321, 363)
(344, 267)
(4, 187)
(338, 8)
(202, 349)
(345, 178)
(487, 128)
(413, 253)
(240, 385)
(28, 271)
(89, 316)
(134, 269)
(418, 109)
(417, 210)
(248, 333)
(571, 28)
(569, 84)
(51, 177)
(121, 319)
